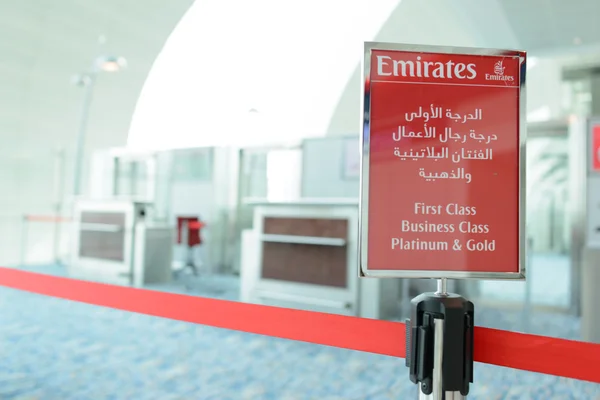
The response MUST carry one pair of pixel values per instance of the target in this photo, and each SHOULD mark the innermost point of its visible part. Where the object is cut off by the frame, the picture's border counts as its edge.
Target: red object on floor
(194, 230)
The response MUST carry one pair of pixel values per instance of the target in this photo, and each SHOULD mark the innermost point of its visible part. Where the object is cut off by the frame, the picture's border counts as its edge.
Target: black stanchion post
(439, 344)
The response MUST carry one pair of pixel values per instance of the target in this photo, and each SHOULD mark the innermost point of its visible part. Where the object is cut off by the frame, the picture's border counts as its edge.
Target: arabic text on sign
(443, 153)
(433, 176)
(448, 134)
(435, 112)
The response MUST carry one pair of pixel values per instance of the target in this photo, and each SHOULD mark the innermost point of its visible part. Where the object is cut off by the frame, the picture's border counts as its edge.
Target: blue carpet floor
(55, 349)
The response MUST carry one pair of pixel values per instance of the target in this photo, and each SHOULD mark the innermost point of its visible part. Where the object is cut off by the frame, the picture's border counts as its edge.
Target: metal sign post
(439, 344)
(442, 190)
(526, 313)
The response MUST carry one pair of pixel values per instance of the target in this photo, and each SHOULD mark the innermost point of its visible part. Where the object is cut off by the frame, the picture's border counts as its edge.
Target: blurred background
(211, 148)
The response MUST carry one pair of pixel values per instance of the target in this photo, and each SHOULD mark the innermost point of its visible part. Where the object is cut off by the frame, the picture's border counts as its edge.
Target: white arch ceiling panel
(288, 60)
(296, 63)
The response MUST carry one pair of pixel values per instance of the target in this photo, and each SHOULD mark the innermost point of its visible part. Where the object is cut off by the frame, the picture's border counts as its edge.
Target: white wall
(545, 90)
(323, 168)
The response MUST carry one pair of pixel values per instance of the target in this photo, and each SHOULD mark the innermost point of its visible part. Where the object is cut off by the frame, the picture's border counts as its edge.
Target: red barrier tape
(570, 359)
(46, 218)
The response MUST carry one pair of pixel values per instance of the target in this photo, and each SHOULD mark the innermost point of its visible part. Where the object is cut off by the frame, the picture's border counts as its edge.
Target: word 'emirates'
(387, 66)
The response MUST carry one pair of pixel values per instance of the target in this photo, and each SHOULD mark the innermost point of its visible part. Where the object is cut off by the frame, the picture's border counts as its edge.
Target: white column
(590, 271)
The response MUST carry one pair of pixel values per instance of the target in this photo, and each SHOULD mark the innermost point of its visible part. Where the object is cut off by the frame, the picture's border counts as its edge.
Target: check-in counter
(114, 242)
(303, 254)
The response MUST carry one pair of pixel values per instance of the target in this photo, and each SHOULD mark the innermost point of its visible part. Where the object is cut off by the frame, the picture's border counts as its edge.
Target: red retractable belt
(570, 359)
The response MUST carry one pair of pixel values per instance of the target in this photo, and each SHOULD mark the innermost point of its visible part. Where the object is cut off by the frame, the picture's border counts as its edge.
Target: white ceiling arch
(295, 64)
(288, 61)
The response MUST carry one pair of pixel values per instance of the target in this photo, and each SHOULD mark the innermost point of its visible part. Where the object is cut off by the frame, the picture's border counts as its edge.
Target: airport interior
(188, 146)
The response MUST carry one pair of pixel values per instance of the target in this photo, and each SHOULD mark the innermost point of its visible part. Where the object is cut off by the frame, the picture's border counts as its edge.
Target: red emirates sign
(441, 174)
(596, 147)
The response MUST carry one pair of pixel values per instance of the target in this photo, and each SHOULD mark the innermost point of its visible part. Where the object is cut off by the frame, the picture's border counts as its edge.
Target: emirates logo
(498, 74)
(498, 68)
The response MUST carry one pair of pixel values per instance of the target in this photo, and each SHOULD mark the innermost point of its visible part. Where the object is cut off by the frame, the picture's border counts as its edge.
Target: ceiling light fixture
(110, 63)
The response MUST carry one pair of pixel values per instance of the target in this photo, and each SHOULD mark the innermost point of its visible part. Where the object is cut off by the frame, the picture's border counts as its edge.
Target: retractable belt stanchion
(439, 344)
(442, 190)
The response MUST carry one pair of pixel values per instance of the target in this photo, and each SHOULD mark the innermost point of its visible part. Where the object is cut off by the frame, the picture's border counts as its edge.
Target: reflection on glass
(132, 178)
